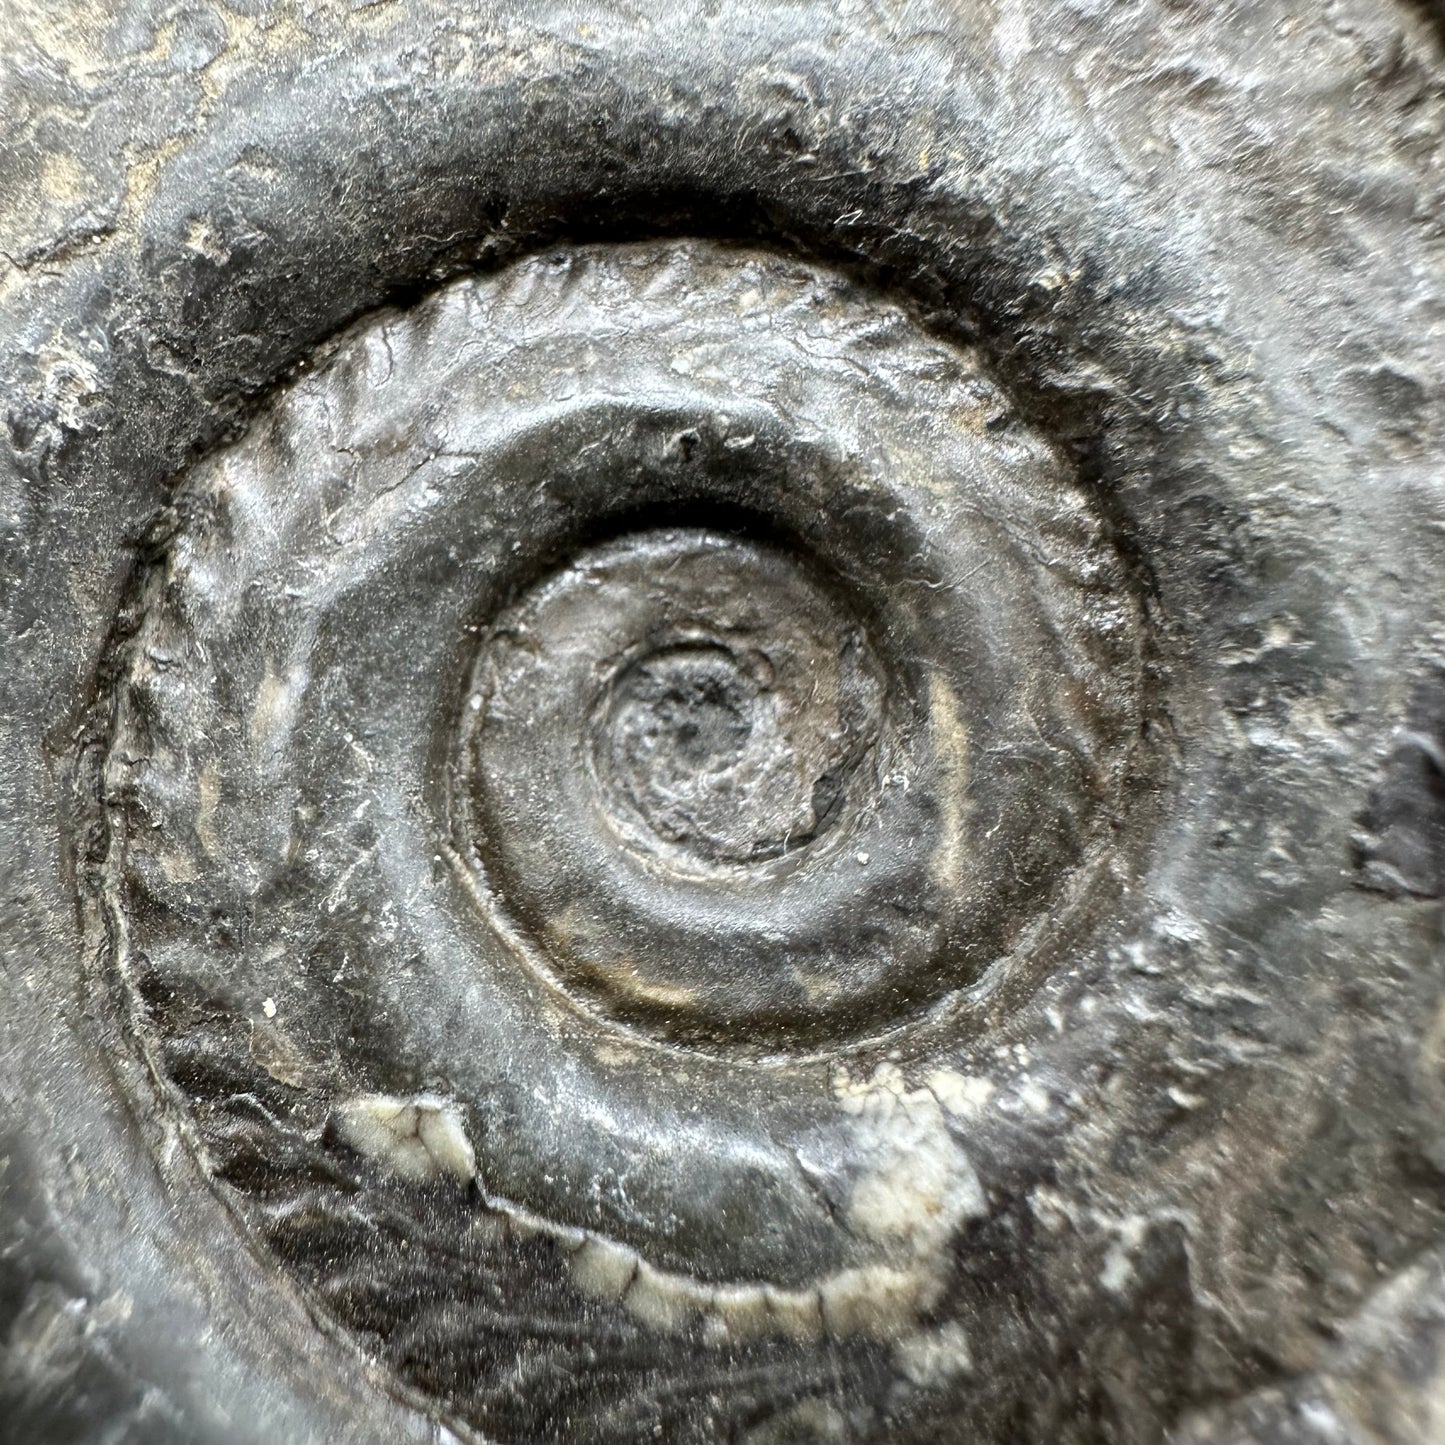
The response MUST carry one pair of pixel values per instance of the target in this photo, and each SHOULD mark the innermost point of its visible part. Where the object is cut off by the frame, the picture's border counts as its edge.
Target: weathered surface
(721, 726)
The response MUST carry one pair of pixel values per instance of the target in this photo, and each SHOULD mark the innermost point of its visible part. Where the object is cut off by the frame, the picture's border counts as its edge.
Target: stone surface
(722, 726)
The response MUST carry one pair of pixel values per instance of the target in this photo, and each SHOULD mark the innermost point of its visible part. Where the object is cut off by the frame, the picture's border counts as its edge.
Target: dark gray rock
(721, 725)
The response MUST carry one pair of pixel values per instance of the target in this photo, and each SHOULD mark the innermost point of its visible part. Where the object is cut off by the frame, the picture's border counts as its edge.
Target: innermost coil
(736, 719)
(671, 736)
(694, 741)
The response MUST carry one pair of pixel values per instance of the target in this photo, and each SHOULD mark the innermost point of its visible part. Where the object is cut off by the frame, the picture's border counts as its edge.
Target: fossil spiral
(725, 726)
(673, 706)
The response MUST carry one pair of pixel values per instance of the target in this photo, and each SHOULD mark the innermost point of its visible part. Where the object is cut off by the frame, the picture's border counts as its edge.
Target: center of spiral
(725, 700)
(700, 749)
(669, 740)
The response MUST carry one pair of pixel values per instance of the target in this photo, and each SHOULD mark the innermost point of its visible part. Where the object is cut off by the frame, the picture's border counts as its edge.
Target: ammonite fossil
(724, 726)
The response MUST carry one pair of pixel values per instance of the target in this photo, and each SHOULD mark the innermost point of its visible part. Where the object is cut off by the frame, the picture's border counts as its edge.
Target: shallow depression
(701, 745)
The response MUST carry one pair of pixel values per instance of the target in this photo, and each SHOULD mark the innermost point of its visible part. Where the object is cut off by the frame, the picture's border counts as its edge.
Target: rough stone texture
(1062, 385)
